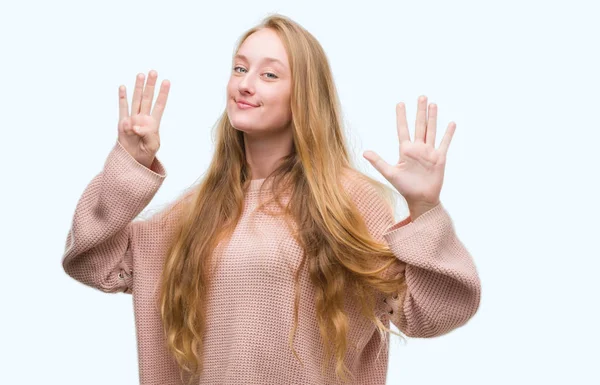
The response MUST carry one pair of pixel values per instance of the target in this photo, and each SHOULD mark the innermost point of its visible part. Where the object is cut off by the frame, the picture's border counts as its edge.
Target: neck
(265, 152)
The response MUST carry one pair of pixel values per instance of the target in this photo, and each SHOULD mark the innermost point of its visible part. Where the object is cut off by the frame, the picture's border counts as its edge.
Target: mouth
(242, 104)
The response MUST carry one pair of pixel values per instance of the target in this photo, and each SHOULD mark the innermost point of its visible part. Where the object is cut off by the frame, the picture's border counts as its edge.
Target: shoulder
(365, 190)
(373, 199)
(170, 211)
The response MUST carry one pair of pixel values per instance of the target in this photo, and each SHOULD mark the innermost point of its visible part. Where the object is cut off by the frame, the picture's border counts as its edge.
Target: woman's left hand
(419, 173)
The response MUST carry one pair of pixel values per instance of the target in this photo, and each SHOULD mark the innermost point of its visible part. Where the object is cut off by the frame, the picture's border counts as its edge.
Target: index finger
(161, 100)
(401, 123)
(123, 106)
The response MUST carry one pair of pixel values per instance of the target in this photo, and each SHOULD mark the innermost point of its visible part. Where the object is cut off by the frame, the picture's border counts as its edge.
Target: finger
(127, 126)
(148, 93)
(123, 105)
(421, 122)
(380, 165)
(401, 123)
(161, 100)
(447, 138)
(431, 125)
(137, 94)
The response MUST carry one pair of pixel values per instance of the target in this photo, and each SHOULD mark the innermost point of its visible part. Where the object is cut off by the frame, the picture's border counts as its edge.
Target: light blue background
(519, 78)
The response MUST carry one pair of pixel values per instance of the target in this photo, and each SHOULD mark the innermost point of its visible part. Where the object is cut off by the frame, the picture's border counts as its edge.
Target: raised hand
(138, 131)
(419, 173)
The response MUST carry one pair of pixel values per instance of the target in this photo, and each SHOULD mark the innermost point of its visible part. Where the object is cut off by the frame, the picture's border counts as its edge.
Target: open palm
(419, 174)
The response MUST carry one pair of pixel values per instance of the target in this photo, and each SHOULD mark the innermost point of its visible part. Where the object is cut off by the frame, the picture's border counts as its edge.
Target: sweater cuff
(156, 168)
(127, 185)
(403, 222)
(432, 227)
(430, 219)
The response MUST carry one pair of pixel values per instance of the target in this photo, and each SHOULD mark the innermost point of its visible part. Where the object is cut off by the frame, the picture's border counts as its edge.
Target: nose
(246, 86)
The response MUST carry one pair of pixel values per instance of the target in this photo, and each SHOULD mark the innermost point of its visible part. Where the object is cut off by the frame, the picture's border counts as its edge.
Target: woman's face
(260, 76)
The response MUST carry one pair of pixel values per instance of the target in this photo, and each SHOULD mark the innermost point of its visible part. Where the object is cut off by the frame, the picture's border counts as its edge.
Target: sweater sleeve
(443, 289)
(98, 249)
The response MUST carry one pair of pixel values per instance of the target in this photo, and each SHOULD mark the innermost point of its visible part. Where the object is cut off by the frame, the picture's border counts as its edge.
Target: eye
(266, 73)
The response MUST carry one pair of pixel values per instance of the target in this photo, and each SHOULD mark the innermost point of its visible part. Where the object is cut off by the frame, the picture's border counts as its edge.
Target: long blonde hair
(340, 253)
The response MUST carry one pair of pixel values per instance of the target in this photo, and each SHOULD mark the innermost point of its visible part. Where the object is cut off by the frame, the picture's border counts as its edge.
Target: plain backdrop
(519, 78)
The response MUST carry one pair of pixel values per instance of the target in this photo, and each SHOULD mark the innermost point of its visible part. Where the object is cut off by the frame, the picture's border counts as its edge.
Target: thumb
(380, 165)
(140, 131)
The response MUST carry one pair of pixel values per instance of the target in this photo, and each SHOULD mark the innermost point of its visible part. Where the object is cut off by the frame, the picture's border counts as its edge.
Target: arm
(443, 289)
(98, 249)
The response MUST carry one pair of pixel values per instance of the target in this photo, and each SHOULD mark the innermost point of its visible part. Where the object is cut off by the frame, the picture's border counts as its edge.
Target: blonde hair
(341, 254)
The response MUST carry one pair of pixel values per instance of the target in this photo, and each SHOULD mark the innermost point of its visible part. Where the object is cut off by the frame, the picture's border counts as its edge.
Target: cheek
(280, 113)
(229, 89)
(280, 100)
(284, 106)
(232, 86)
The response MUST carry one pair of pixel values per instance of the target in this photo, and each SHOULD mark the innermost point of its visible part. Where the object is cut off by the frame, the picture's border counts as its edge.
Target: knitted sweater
(251, 301)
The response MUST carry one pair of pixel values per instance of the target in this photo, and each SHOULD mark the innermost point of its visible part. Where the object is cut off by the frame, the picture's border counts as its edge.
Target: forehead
(263, 46)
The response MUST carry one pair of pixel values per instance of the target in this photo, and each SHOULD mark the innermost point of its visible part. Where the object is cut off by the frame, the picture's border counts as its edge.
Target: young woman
(285, 265)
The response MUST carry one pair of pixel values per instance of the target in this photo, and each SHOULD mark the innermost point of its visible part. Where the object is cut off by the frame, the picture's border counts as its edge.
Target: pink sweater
(250, 311)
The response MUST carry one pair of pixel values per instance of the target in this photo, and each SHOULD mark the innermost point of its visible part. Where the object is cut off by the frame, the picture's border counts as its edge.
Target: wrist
(420, 208)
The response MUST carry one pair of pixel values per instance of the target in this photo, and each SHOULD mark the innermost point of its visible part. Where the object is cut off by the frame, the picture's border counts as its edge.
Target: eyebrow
(267, 59)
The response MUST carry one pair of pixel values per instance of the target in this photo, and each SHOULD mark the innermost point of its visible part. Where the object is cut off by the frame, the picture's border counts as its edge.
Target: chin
(243, 126)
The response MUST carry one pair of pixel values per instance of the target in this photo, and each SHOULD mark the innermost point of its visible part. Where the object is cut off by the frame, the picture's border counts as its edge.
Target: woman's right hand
(138, 131)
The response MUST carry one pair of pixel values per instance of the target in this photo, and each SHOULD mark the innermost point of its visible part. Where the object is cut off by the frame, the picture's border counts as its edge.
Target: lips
(246, 103)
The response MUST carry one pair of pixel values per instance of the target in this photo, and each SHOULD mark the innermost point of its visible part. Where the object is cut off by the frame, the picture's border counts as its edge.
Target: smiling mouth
(245, 105)
(243, 102)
